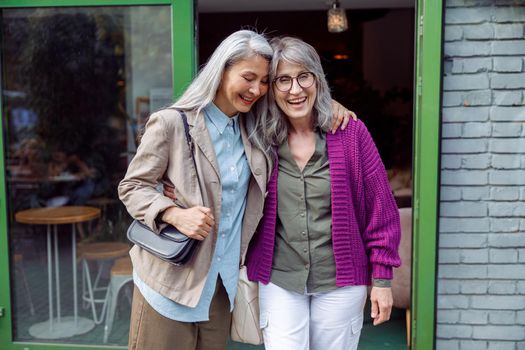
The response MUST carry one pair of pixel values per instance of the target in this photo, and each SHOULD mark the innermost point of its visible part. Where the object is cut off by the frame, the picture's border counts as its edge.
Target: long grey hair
(296, 51)
(236, 47)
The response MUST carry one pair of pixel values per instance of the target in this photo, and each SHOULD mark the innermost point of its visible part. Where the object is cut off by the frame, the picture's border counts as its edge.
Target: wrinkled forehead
(292, 68)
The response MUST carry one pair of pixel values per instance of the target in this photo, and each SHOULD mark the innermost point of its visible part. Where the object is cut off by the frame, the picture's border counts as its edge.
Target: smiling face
(298, 102)
(242, 85)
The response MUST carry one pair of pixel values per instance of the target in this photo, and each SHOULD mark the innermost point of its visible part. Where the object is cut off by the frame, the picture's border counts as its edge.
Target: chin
(298, 115)
(244, 109)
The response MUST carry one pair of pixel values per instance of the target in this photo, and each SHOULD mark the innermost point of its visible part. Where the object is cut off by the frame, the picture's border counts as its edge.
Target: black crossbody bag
(170, 244)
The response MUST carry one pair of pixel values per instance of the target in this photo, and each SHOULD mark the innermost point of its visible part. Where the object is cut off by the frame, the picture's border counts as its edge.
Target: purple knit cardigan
(365, 218)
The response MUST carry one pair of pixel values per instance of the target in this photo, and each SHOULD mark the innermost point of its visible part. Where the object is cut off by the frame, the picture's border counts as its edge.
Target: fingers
(346, 120)
(201, 223)
(375, 310)
(348, 114)
(208, 215)
(336, 121)
(385, 310)
(384, 314)
(199, 235)
(196, 233)
(169, 191)
(382, 301)
(342, 118)
(196, 222)
(169, 194)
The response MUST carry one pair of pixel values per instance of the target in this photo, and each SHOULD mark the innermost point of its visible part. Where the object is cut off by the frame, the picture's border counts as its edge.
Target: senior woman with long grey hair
(330, 224)
(217, 199)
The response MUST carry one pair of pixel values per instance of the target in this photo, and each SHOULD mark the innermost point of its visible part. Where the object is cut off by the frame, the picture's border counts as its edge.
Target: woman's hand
(381, 299)
(169, 191)
(341, 116)
(195, 222)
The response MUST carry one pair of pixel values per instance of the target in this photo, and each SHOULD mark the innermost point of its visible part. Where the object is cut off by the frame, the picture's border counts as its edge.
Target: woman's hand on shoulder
(195, 222)
(382, 301)
(341, 116)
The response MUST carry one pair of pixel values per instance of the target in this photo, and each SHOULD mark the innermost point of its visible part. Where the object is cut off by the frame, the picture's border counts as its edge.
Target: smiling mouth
(297, 101)
(247, 100)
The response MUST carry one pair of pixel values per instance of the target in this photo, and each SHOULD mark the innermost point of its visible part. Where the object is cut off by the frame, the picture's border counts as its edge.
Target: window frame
(183, 34)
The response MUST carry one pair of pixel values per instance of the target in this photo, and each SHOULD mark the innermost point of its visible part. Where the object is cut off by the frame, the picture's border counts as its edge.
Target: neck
(229, 112)
(300, 126)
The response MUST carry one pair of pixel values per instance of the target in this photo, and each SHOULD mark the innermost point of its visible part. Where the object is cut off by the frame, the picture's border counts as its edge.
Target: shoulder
(163, 125)
(354, 132)
(168, 117)
(169, 121)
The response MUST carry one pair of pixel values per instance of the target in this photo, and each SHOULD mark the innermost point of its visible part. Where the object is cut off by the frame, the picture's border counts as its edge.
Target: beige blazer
(163, 155)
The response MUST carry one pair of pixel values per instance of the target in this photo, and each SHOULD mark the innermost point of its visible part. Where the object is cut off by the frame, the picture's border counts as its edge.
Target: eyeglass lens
(305, 80)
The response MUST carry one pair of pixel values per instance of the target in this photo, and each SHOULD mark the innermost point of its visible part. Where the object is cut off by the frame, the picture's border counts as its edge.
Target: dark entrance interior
(369, 68)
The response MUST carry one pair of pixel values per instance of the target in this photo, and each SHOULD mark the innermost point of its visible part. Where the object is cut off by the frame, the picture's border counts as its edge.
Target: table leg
(57, 273)
(50, 277)
(74, 254)
(67, 326)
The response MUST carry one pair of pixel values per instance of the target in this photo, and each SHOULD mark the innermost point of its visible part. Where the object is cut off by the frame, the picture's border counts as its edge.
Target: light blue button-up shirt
(225, 135)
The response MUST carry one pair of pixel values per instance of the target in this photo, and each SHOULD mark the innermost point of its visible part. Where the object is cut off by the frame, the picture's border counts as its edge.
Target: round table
(57, 326)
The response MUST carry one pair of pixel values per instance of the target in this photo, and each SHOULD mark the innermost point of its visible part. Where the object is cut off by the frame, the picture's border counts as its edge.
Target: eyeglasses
(284, 83)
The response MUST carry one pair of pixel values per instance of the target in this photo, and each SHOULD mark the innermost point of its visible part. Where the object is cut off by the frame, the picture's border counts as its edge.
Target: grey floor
(387, 336)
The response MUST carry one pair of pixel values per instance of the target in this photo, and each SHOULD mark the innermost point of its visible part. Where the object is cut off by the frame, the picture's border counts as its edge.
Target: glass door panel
(77, 85)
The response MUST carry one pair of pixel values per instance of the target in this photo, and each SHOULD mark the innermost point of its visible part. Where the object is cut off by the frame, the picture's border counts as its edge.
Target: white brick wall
(481, 270)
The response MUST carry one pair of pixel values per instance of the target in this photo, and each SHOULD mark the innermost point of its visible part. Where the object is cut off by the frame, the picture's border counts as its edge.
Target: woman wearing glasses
(330, 224)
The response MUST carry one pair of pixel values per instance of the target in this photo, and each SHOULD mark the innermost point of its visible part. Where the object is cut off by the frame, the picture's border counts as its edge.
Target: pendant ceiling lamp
(337, 21)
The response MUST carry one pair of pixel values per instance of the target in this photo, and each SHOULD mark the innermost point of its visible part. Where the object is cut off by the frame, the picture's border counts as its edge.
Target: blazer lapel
(201, 137)
(255, 157)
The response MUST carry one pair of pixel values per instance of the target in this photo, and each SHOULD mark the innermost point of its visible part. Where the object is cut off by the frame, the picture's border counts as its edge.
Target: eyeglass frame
(297, 80)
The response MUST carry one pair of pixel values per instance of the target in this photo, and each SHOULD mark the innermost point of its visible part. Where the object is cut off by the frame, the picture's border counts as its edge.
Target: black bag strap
(187, 131)
(189, 140)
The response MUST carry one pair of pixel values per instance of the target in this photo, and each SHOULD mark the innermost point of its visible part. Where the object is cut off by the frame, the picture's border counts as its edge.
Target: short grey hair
(236, 47)
(296, 51)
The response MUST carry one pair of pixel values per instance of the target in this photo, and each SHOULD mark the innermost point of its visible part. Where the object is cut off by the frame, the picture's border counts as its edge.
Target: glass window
(77, 86)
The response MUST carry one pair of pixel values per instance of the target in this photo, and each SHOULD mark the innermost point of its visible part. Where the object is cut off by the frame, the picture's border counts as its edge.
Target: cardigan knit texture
(365, 219)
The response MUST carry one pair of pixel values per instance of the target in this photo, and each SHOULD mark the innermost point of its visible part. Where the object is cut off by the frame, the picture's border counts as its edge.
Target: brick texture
(481, 271)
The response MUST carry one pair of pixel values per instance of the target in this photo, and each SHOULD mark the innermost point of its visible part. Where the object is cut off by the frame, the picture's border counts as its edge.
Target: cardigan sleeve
(382, 228)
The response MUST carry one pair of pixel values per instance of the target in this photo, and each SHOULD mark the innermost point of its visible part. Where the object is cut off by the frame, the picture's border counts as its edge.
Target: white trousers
(319, 321)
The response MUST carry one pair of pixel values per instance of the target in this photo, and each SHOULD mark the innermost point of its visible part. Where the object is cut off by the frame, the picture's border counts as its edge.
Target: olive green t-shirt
(303, 256)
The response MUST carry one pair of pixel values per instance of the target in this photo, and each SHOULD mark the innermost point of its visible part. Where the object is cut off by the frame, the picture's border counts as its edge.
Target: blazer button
(258, 171)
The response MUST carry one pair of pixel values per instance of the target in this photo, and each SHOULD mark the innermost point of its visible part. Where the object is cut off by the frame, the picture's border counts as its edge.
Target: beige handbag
(245, 318)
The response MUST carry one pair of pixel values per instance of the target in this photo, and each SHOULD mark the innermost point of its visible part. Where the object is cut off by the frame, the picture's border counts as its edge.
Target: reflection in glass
(77, 86)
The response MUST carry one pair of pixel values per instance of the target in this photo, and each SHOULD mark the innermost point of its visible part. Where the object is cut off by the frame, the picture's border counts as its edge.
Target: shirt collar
(218, 118)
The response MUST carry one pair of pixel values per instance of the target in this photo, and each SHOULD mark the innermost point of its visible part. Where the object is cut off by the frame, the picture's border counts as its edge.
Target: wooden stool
(103, 203)
(103, 253)
(121, 274)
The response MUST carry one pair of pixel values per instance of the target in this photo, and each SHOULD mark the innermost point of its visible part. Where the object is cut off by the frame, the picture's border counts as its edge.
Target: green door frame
(426, 132)
(427, 122)
(183, 68)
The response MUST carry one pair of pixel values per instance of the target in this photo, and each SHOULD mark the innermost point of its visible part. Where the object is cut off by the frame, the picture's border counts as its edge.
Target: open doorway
(369, 68)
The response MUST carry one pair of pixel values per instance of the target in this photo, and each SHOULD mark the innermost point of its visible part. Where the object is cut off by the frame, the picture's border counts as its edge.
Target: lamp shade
(337, 21)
